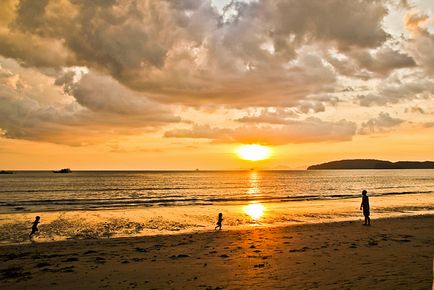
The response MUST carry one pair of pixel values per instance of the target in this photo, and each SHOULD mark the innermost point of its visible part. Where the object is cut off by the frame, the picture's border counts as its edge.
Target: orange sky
(182, 84)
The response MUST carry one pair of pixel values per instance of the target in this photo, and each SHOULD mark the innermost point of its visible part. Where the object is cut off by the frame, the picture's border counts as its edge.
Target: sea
(101, 204)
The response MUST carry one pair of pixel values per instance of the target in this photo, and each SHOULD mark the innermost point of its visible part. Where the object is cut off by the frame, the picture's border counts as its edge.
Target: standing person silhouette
(35, 226)
(365, 206)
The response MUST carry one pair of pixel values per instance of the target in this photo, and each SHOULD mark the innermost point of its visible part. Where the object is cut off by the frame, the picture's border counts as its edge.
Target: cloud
(123, 67)
(269, 116)
(383, 60)
(95, 108)
(303, 131)
(383, 123)
(421, 45)
(397, 89)
(103, 94)
(186, 52)
(415, 109)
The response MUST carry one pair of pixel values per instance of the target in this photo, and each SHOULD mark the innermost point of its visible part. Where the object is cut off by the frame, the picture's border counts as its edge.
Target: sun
(253, 152)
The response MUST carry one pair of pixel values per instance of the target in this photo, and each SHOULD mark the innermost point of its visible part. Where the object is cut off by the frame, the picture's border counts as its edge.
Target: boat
(6, 172)
(63, 170)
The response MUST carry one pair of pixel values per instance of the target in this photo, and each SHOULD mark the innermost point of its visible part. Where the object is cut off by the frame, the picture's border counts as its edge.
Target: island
(6, 172)
(372, 164)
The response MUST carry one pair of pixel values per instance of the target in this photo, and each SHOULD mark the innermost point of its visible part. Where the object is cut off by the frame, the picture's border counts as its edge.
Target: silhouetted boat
(64, 170)
(6, 172)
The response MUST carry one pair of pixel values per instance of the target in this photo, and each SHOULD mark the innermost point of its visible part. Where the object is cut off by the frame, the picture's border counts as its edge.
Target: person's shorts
(366, 212)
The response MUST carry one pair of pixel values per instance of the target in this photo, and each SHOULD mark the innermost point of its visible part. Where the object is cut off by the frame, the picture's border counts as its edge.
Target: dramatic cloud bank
(77, 72)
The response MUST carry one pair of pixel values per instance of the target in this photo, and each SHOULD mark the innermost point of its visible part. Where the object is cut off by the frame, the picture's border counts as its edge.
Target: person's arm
(361, 205)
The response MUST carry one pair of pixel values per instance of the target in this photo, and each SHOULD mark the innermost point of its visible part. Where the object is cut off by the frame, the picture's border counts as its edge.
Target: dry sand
(395, 253)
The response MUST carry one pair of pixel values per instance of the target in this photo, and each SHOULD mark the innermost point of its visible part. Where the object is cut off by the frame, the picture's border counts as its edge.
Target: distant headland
(372, 164)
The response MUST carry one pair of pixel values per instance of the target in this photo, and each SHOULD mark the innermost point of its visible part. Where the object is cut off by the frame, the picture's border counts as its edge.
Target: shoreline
(149, 221)
(392, 253)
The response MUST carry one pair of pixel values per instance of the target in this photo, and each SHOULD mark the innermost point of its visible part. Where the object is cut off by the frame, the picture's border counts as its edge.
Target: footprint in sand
(179, 256)
(100, 260)
(42, 264)
(372, 243)
(71, 260)
(89, 252)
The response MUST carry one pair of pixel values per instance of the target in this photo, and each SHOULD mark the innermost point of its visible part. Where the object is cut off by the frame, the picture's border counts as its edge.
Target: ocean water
(119, 203)
(41, 190)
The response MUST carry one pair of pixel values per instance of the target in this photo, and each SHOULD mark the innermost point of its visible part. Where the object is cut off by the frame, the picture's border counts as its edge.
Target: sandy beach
(393, 253)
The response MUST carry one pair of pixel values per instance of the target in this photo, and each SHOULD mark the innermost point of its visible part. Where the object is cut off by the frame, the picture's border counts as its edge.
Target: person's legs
(366, 214)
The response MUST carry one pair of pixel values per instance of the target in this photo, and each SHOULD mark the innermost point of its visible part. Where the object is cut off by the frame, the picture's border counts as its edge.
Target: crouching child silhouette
(219, 222)
(365, 206)
(35, 226)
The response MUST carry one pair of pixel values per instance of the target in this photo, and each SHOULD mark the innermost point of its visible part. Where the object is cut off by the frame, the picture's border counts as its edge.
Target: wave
(157, 188)
(182, 200)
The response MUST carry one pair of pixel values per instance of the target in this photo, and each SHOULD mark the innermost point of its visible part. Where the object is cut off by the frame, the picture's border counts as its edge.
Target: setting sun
(253, 152)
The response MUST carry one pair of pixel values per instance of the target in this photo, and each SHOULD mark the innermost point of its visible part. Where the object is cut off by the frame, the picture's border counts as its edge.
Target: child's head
(220, 214)
(37, 218)
(364, 192)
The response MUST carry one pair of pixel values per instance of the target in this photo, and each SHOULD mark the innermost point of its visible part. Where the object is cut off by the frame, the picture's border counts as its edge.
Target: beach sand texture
(394, 253)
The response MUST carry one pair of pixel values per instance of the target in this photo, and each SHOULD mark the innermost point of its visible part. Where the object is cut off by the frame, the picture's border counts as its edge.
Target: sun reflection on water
(254, 179)
(254, 210)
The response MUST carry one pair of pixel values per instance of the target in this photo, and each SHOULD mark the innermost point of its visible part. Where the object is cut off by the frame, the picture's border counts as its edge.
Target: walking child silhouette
(35, 226)
(219, 222)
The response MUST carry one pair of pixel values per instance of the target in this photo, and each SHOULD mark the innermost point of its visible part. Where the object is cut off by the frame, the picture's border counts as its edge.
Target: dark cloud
(365, 64)
(186, 52)
(103, 94)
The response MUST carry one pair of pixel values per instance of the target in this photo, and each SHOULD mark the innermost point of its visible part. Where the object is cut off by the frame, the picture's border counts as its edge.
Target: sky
(180, 84)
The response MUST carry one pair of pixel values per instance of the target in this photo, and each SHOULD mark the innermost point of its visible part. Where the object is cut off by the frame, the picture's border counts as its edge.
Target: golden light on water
(254, 188)
(254, 210)
(253, 152)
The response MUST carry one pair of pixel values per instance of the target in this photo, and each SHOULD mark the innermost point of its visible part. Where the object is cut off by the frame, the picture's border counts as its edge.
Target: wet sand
(394, 253)
(150, 221)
